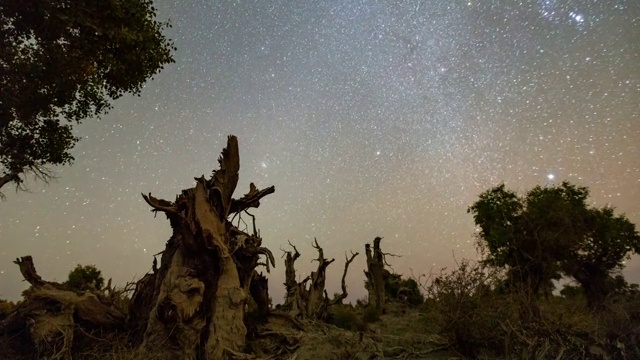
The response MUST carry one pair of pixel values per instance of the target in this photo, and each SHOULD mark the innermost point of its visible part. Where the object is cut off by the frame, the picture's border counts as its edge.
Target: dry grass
(464, 316)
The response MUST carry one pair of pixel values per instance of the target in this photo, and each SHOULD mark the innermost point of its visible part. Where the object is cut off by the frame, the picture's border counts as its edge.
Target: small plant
(85, 277)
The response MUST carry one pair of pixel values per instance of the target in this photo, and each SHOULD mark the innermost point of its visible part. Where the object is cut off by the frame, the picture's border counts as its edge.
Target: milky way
(371, 118)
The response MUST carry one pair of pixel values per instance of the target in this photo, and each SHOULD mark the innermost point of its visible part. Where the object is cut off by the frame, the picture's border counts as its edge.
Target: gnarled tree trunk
(196, 299)
(375, 274)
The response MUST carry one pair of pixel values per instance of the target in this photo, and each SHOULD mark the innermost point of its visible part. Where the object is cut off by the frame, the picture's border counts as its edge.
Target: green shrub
(84, 278)
(344, 317)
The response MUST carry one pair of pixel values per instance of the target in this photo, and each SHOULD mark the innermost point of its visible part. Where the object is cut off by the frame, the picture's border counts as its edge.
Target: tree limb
(7, 178)
(251, 199)
(160, 204)
(322, 261)
(269, 255)
(338, 299)
(28, 271)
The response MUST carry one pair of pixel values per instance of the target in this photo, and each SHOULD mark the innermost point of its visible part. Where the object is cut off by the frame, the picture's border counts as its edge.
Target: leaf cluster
(84, 278)
(62, 62)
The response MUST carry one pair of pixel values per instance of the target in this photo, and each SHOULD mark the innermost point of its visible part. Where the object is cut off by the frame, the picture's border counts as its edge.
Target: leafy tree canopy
(85, 277)
(551, 232)
(63, 61)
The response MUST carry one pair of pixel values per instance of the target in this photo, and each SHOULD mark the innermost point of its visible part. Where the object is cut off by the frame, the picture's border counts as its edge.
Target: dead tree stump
(375, 274)
(196, 299)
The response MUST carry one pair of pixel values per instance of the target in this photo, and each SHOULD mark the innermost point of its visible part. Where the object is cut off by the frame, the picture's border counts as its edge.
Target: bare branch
(270, 259)
(160, 204)
(255, 231)
(348, 260)
(321, 259)
(251, 199)
(294, 256)
(40, 172)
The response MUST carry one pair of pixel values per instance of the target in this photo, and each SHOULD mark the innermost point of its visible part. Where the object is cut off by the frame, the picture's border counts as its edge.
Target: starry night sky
(371, 118)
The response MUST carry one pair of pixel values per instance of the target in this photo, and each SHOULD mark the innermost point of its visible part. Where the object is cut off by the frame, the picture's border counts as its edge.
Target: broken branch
(160, 204)
(28, 270)
(270, 258)
(250, 200)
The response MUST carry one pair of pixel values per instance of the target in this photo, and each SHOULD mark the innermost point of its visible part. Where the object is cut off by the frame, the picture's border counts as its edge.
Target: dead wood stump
(196, 301)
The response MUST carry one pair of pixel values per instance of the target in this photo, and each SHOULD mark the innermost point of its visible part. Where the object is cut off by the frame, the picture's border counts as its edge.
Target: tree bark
(375, 274)
(196, 300)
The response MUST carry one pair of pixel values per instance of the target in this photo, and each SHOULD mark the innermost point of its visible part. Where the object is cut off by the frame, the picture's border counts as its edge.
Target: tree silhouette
(552, 232)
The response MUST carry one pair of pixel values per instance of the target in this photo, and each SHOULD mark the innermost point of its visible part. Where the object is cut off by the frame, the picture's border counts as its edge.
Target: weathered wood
(308, 299)
(316, 299)
(28, 270)
(290, 283)
(251, 199)
(340, 297)
(200, 289)
(375, 274)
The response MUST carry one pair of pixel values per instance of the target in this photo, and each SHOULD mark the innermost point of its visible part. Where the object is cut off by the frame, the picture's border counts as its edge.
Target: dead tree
(308, 298)
(293, 302)
(196, 300)
(50, 312)
(375, 274)
(340, 297)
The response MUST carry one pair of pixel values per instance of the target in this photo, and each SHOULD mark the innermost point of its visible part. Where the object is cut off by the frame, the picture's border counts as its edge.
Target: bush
(468, 310)
(344, 317)
(84, 278)
(620, 322)
(572, 292)
(404, 290)
(6, 307)
(370, 315)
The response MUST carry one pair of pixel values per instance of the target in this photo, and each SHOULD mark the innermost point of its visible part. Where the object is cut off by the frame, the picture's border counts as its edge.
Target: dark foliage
(404, 290)
(399, 289)
(552, 232)
(84, 278)
(62, 62)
